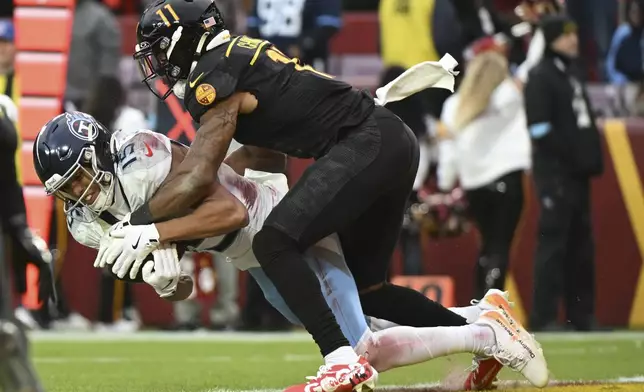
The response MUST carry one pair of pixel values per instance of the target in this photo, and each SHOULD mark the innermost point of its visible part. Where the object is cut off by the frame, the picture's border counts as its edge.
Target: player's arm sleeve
(109, 45)
(328, 21)
(220, 213)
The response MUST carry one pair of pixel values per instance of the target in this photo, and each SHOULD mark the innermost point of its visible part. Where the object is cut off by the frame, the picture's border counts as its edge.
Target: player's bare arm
(194, 177)
(256, 158)
(220, 213)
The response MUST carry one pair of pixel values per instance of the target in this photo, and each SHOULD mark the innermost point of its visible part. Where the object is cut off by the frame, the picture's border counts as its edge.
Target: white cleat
(494, 299)
(515, 347)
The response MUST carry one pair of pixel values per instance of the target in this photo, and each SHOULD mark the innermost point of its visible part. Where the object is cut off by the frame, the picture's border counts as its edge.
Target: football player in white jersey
(102, 176)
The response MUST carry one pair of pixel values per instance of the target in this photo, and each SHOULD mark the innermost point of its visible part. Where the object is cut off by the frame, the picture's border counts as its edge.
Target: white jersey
(143, 163)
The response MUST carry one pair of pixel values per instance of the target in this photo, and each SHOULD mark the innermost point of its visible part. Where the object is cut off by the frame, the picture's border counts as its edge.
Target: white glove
(126, 247)
(163, 273)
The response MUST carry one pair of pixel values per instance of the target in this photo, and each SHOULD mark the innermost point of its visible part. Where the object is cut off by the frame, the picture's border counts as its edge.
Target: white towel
(430, 74)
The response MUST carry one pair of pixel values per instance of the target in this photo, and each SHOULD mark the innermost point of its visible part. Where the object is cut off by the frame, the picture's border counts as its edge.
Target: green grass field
(200, 362)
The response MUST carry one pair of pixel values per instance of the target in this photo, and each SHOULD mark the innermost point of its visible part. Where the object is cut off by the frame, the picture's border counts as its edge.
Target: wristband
(142, 216)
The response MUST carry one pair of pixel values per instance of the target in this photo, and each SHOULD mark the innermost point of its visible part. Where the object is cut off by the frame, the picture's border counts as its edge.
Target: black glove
(38, 254)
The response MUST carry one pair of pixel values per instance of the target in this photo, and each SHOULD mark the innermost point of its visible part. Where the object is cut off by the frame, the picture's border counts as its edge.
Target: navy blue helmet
(171, 34)
(73, 148)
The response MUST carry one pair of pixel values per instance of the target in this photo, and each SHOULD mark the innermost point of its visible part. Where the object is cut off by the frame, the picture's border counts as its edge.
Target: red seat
(29, 176)
(41, 29)
(34, 113)
(42, 74)
(45, 3)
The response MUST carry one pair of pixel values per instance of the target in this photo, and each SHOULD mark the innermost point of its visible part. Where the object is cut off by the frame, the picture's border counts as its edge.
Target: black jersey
(300, 110)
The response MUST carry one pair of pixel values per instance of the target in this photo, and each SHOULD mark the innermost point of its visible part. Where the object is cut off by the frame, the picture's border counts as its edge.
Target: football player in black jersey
(365, 164)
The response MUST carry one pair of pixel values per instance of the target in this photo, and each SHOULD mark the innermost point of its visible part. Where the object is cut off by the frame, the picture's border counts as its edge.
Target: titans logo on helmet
(82, 126)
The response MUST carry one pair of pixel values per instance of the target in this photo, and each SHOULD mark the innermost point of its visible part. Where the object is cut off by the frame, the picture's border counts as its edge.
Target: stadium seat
(54, 25)
(29, 176)
(45, 3)
(34, 113)
(42, 74)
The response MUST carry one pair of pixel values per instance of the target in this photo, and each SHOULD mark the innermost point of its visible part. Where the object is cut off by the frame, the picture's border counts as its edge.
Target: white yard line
(437, 386)
(252, 337)
(287, 357)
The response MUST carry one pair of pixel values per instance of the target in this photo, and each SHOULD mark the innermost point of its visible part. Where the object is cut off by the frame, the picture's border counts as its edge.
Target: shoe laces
(507, 358)
(505, 294)
(476, 362)
(321, 370)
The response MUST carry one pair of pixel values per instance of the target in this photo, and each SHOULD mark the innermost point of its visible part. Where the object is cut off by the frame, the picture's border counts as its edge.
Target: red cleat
(358, 377)
(483, 375)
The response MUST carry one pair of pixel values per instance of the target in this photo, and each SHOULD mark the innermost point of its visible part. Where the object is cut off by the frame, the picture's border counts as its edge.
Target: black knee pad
(269, 243)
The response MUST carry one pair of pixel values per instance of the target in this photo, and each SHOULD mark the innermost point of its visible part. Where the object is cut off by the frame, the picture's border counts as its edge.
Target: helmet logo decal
(205, 94)
(82, 126)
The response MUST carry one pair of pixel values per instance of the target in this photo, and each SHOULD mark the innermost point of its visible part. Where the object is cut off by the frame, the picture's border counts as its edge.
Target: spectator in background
(95, 50)
(487, 149)
(413, 111)
(531, 12)
(229, 11)
(434, 26)
(8, 80)
(22, 246)
(566, 156)
(301, 29)
(9, 87)
(625, 59)
(16, 368)
(107, 103)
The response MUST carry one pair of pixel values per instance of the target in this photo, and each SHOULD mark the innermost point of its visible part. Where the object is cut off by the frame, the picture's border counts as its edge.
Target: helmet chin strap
(179, 89)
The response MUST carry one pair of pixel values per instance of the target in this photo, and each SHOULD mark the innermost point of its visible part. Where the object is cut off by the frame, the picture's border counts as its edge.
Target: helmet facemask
(169, 46)
(86, 169)
(165, 59)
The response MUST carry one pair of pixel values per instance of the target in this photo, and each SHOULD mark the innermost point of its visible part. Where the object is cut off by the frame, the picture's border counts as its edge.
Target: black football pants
(496, 210)
(565, 257)
(359, 190)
